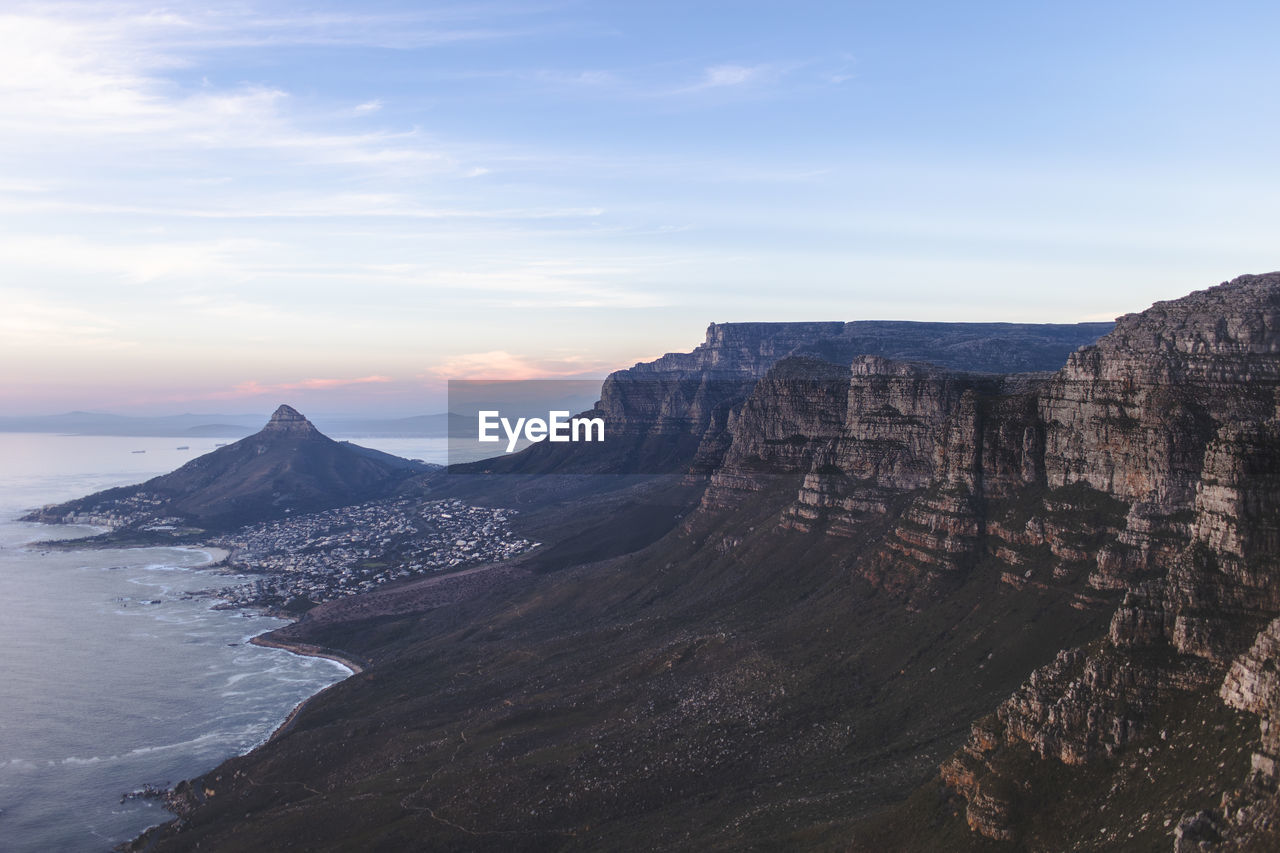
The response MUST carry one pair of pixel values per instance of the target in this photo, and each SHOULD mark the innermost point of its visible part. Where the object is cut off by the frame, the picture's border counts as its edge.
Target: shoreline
(188, 557)
(175, 795)
(214, 556)
(304, 650)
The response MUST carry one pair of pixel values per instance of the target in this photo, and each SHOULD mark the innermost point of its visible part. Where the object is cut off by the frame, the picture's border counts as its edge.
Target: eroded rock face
(1147, 469)
(895, 426)
(1253, 684)
(794, 413)
(695, 394)
(872, 426)
(1131, 415)
(1248, 818)
(288, 421)
(1173, 416)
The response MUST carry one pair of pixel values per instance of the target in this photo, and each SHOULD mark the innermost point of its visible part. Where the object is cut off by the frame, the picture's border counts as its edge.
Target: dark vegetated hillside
(697, 694)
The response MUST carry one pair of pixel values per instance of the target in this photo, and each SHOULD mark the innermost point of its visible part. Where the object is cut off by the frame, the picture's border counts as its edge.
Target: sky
(216, 207)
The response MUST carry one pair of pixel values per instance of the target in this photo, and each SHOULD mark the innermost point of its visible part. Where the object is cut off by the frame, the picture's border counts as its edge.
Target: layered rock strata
(1173, 418)
(1147, 469)
(695, 394)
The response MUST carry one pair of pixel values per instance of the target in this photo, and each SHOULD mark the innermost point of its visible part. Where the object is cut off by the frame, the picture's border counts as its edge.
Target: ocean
(112, 675)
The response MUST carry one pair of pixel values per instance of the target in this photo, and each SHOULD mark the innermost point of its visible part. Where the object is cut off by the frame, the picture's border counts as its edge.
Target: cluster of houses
(140, 509)
(324, 555)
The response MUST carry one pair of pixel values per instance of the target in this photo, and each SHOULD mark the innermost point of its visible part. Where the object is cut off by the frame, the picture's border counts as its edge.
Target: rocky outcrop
(793, 415)
(957, 459)
(288, 421)
(1147, 470)
(1253, 684)
(1173, 417)
(876, 426)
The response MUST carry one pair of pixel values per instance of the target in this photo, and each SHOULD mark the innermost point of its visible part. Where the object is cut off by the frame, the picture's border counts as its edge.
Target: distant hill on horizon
(219, 425)
(287, 466)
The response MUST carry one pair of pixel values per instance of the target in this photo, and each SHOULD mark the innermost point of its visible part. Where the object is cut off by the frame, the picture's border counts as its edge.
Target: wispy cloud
(500, 364)
(731, 75)
(343, 205)
(135, 262)
(770, 76)
(108, 72)
(666, 79)
(734, 76)
(32, 321)
(253, 388)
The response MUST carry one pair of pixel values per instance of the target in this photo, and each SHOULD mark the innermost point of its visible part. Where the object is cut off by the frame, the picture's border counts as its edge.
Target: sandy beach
(214, 555)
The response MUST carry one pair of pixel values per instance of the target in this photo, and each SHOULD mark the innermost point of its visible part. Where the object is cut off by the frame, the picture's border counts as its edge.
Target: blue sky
(215, 207)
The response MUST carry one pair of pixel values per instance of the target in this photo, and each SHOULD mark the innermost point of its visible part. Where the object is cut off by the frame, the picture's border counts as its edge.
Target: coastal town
(296, 552)
(140, 510)
(317, 557)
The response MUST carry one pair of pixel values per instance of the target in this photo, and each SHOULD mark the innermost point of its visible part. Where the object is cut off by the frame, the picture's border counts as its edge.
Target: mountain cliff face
(747, 350)
(1174, 415)
(287, 466)
(1150, 463)
(670, 415)
(1148, 467)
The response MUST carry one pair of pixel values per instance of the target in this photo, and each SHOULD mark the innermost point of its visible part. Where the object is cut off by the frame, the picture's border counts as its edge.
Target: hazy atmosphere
(214, 207)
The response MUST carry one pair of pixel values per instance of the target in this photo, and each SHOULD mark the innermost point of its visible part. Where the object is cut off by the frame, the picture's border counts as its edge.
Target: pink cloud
(253, 387)
(500, 364)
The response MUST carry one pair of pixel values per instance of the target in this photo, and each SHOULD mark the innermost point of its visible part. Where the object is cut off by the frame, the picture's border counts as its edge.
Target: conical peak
(289, 421)
(287, 413)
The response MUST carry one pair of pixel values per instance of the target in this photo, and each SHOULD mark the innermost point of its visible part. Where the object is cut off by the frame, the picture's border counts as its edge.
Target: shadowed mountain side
(690, 696)
(288, 466)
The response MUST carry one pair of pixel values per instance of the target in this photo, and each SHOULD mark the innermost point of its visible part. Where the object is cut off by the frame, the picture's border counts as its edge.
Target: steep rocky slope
(1160, 446)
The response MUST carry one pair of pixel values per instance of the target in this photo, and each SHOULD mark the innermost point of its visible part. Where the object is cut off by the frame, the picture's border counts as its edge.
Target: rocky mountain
(1148, 469)
(287, 466)
(747, 350)
(692, 391)
(912, 604)
(670, 414)
(1173, 419)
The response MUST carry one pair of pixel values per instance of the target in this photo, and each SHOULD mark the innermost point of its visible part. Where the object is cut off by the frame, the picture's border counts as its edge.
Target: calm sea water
(110, 677)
